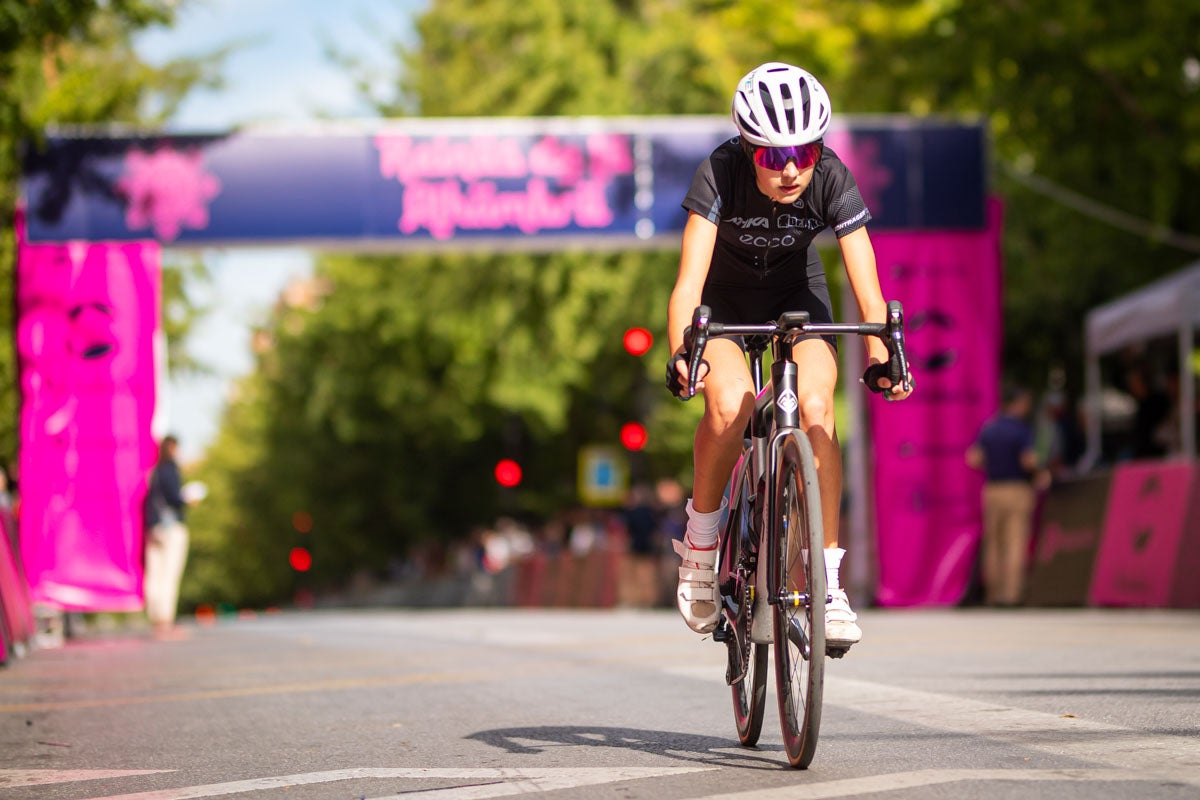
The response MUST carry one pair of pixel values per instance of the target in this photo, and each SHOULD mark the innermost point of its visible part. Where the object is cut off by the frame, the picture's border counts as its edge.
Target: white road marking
(1127, 753)
(857, 787)
(499, 782)
(12, 778)
(1070, 737)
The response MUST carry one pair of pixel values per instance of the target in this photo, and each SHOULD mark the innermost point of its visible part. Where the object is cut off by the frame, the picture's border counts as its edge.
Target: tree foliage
(1099, 101)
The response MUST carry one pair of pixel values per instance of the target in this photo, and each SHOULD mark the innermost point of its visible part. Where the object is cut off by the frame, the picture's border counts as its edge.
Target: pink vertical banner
(927, 501)
(87, 315)
(1148, 558)
(17, 614)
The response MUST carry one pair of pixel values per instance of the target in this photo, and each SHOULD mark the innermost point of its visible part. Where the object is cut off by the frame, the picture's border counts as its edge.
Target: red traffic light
(633, 435)
(638, 341)
(508, 473)
(300, 559)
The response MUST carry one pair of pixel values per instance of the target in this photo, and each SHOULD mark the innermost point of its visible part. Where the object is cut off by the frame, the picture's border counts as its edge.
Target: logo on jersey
(750, 222)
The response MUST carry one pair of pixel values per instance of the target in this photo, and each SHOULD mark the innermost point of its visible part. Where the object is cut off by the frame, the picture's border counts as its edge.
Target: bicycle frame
(776, 413)
(773, 419)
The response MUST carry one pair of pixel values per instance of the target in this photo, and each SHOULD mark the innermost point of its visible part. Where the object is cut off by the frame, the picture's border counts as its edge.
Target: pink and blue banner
(87, 315)
(927, 501)
(534, 183)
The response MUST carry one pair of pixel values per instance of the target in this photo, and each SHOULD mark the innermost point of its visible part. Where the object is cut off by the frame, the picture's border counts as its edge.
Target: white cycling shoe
(841, 623)
(697, 594)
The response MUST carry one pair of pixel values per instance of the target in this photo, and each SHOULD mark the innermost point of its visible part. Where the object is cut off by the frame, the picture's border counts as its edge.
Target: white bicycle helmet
(778, 105)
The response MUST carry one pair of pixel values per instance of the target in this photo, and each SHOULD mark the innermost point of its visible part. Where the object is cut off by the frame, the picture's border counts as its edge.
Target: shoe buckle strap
(696, 593)
(688, 573)
(699, 557)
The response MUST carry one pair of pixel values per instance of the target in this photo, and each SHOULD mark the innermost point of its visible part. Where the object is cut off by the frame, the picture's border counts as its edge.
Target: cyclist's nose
(790, 170)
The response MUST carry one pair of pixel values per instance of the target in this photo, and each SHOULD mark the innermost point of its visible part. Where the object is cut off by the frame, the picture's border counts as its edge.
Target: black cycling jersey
(762, 243)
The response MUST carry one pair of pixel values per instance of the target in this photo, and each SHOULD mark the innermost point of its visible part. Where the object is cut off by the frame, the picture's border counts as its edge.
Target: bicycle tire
(750, 690)
(798, 561)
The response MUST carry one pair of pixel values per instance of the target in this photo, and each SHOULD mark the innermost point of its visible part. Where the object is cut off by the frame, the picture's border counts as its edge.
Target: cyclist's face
(784, 185)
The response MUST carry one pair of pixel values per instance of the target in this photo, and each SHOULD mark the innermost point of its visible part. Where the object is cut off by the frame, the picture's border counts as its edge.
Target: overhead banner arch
(524, 183)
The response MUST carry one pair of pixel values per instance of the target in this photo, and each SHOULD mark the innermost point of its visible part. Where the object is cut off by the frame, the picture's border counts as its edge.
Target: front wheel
(798, 562)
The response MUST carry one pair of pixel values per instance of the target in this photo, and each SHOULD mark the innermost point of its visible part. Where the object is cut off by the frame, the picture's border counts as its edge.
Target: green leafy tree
(1094, 115)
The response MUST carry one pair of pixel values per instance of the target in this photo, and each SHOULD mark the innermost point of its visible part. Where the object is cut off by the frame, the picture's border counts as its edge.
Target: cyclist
(754, 208)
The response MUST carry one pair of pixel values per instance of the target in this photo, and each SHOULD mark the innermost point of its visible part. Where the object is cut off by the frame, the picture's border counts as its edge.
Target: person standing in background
(166, 540)
(1005, 451)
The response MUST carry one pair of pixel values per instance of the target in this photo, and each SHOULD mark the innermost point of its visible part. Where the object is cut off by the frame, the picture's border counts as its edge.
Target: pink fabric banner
(17, 614)
(927, 501)
(86, 319)
(1150, 554)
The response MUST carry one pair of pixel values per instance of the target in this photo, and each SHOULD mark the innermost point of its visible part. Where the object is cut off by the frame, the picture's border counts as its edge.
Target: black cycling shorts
(749, 305)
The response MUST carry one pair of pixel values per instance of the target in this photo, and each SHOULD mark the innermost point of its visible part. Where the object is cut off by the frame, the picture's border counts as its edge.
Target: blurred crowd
(582, 556)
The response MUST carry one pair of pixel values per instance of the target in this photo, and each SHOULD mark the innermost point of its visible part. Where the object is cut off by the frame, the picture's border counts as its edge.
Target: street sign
(603, 475)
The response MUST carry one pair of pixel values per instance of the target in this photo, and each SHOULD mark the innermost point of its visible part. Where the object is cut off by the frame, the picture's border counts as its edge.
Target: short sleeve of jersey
(845, 210)
(704, 197)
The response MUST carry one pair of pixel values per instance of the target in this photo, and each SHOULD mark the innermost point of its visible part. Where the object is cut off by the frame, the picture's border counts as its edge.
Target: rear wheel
(797, 540)
(747, 671)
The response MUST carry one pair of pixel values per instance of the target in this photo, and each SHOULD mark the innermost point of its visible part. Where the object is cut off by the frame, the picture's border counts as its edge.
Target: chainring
(739, 643)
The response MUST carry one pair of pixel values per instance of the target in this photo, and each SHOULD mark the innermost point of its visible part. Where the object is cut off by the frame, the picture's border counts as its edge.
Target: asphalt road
(472, 704)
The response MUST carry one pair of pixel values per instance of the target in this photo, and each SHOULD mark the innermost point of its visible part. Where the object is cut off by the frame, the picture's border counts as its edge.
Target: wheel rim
(799, 617)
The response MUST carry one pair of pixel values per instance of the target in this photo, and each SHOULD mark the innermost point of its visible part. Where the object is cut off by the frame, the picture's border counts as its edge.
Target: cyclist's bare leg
(817, 366)
(728, 401)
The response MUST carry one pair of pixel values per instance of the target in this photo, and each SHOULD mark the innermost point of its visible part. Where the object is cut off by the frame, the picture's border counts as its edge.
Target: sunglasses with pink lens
(776, 158)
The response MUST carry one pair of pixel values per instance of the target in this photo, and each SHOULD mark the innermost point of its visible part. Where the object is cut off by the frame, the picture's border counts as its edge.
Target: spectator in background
(1153, 409)
(166, 540)
(1004, 450)
(639, 583)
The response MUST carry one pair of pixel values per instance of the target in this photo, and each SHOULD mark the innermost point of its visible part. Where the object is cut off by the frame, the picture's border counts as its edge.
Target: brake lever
(898, 374)
(695, 339)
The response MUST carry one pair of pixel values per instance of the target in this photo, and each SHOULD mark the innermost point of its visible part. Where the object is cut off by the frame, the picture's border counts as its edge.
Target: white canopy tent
(1170, 306)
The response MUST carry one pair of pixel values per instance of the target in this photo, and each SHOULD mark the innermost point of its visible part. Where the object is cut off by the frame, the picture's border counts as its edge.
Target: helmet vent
(789, 107)
(805, 102)
(764, 92)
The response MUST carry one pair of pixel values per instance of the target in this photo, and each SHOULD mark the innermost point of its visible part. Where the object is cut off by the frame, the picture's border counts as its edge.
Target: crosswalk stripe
(499, 782)
(896, 781)
(1070, 737)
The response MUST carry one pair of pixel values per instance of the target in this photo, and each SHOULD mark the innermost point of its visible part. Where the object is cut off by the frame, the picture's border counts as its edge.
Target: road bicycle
(771, 567)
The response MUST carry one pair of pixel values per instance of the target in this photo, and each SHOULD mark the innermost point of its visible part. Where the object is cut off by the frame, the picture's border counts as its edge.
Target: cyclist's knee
(816, 410)
(728, 407)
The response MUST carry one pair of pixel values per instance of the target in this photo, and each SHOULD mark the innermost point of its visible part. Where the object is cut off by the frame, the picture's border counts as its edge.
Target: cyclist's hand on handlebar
(877, 378)
(677, 375)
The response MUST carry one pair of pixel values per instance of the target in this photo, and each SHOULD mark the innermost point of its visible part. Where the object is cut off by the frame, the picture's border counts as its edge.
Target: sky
(280, 72)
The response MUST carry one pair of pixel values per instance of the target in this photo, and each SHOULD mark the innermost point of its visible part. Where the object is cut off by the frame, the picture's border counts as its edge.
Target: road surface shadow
(681, 746)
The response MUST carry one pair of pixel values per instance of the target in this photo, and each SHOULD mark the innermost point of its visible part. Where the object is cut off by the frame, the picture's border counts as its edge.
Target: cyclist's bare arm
(699, 238)
(858, 254)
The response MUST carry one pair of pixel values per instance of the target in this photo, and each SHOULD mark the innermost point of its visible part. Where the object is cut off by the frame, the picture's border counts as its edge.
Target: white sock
(702, 527)
(833, 561)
